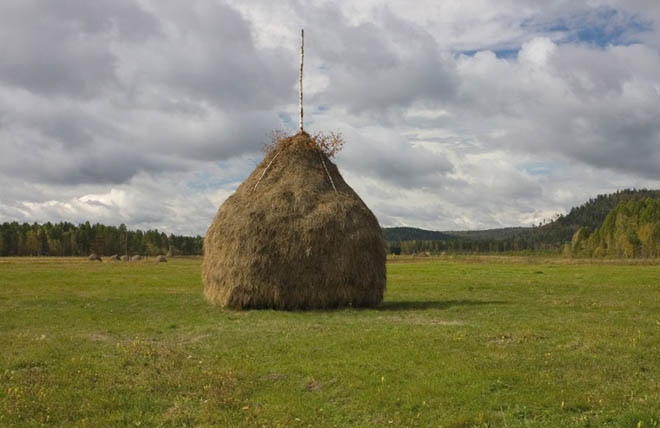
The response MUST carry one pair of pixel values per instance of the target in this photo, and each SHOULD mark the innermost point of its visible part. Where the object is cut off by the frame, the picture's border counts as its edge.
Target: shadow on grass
(412, 305)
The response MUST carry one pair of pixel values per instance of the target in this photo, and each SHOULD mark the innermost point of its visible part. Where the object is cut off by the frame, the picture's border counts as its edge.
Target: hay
(294, 242)
(136, 258)
(161, 259)
(94, 258)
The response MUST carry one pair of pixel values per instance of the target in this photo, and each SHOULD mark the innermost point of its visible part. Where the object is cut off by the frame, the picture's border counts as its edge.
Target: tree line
(553, 236)
(460, 245)
(631, 230)
(67, 239)
(591, 214)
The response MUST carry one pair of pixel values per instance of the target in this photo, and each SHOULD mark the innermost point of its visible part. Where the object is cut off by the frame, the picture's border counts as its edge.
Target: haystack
(294, 235)
(94, 258)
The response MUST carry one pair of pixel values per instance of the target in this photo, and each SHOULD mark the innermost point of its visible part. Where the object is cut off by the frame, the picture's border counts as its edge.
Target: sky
(457, 115)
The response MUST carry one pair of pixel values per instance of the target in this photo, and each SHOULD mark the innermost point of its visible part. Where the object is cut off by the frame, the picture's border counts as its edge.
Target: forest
(67, 239)
(549, 236)
(620, 224)
(631, 230)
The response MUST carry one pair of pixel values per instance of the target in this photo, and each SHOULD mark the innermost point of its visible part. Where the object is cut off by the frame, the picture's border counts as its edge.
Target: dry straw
(298, 241)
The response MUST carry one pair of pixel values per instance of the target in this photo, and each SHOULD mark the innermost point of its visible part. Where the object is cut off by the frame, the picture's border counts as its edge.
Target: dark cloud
(104, 165)
(377, 65)
(64, 48)
(207, 54)
(99, 92)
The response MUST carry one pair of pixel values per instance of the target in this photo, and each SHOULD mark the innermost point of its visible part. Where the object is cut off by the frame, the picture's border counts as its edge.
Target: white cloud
(536, 52)
(456, 114)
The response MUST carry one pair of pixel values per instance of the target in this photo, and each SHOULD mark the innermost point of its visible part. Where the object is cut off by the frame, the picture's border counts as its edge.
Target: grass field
(473, 342)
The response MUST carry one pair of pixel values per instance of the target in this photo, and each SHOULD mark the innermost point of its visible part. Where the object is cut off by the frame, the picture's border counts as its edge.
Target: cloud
(63, 49)
(377, 154)
(100, 94)
(456, 114)
(536, 52)
(207, 54)
(377, 65)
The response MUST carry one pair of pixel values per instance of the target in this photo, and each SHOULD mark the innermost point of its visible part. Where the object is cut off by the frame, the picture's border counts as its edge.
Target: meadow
(458, 342)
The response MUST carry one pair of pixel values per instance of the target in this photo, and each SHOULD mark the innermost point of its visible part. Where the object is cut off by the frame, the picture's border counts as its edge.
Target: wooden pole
(302, 57)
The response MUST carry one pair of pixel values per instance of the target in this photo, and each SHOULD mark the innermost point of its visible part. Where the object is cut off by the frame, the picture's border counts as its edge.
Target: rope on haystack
(327, 172)
(267, 166)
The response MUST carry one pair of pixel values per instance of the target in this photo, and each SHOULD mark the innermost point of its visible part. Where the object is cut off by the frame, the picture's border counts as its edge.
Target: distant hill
(593, 212)
(393, 234)
(630, 230)
(551, 236)
(591, 215)
(496, 234)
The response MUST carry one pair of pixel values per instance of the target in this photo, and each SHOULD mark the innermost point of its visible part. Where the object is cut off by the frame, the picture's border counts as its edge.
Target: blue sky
(603, 26)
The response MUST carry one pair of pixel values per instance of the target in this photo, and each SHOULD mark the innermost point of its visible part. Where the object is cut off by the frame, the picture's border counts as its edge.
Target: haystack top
(300, 141)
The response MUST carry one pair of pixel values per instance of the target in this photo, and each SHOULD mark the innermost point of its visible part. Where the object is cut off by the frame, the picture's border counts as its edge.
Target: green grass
(485, 342)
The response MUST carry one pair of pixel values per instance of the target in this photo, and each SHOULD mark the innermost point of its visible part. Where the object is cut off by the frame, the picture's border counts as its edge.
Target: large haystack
(290, 241)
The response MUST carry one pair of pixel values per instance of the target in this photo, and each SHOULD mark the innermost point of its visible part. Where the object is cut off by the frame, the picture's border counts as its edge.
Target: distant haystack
(161, 259)
(94, 258)
(124, 258)
(294, 235)
(136, 258)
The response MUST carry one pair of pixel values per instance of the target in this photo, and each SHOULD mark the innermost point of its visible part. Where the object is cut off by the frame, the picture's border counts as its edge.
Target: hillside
(490, 234)
(552, 236)
(630, 230)
(393, 234)
(591, 215)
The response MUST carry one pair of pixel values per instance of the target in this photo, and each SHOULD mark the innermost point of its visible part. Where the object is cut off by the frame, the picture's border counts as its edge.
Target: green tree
(32, 243)
(42, 236)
